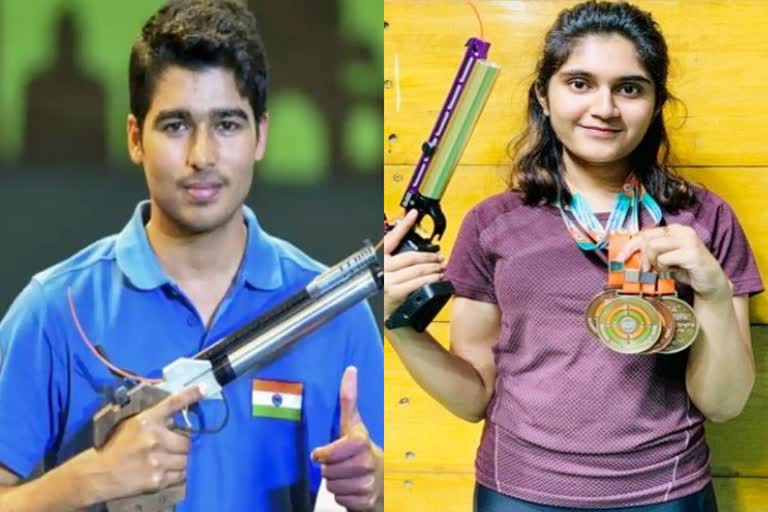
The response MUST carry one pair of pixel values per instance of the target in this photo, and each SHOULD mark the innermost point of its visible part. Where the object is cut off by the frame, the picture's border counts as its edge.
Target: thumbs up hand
(353, 465)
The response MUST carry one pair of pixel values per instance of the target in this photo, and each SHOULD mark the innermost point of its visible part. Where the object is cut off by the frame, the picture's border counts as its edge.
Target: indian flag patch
(277, 399)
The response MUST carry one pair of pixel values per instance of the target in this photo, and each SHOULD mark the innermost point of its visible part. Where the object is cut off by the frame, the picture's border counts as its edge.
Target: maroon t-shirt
(572, 423)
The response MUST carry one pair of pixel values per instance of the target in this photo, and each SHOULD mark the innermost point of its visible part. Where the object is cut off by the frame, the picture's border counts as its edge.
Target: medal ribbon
(623, 223)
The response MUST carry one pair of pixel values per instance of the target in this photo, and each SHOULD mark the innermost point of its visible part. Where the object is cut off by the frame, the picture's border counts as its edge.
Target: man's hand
(352, 465)
(144, 454)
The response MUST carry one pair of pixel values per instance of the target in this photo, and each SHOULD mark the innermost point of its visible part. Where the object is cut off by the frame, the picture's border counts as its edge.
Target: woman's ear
(541, 98)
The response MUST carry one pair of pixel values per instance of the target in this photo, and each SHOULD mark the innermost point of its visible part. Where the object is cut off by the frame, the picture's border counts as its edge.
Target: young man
(191, 266)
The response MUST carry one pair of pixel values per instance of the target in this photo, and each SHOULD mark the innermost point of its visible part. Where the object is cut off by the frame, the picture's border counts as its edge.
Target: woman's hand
(407, 271)
(679, 249)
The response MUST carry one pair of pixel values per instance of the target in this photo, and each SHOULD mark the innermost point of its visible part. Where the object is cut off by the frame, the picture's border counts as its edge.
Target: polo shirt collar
(135, 257)
(137, 261)
(261, 267)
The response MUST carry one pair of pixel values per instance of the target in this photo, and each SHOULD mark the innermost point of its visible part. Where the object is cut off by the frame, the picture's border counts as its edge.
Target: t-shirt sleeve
(470, 268)
(365, 351)
(29, 384)
(730, 246)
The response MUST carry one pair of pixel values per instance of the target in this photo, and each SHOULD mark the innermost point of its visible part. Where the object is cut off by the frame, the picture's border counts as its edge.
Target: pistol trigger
(185, 415)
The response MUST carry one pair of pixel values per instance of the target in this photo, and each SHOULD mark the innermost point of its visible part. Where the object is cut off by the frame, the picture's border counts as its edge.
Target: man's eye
(173, 127)
(229, 126)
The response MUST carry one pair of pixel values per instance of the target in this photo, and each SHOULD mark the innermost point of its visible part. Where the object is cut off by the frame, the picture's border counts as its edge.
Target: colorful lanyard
(590, 234)
(623, 222)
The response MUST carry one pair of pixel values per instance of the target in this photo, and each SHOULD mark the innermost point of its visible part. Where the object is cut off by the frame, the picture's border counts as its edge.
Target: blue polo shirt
(51, 384)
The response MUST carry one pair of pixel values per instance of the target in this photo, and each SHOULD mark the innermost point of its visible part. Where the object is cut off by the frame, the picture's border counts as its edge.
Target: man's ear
(542, 98)
(262, 128)
(135, 149)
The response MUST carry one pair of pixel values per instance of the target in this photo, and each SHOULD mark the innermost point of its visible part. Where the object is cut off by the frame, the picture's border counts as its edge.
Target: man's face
(197, 146)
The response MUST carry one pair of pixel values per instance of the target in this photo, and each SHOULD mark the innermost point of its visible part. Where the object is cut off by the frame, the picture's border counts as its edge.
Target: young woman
(568, 421)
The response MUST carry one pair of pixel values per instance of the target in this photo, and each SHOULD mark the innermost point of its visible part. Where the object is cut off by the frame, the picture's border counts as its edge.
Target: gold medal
(629, 324)
(595, 307)
(668, 326)
(687, 325)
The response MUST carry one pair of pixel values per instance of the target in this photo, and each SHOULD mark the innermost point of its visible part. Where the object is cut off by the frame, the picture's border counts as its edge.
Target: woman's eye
(578, 85)
(630, 90)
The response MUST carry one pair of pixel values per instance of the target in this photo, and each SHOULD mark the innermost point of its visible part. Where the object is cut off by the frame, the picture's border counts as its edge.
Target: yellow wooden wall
(719, 54)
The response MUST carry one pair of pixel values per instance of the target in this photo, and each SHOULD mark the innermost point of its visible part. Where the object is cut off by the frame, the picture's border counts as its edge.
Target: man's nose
(203, 151)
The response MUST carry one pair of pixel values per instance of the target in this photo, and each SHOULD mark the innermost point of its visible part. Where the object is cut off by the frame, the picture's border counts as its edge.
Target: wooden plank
(741, 187)
(423, 436)
(740, 447)
(453, 492)
(719, 65)
(428, 492)
(412, 439)
(742, 494)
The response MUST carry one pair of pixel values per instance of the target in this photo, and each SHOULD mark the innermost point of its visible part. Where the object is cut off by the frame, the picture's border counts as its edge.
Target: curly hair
(199, 34)
(538, 154)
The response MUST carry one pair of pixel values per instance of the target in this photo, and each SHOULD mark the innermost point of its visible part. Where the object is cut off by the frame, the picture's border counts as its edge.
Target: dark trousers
(487, 500)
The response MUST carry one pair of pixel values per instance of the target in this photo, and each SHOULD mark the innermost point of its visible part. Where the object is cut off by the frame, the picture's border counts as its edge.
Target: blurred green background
(65, 177)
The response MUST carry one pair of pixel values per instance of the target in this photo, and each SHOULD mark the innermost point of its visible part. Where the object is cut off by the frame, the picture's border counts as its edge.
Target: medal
(595, 308)
(640, 311)
(668, 325)
(687, 326)
(629, 324)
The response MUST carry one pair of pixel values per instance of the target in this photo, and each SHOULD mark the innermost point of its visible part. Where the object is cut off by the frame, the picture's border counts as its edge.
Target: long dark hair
(538, 154)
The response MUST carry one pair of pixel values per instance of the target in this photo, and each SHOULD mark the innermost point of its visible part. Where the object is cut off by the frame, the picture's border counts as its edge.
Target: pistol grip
(421, 306)
(104, 423)
(139, 398)
(161, 501)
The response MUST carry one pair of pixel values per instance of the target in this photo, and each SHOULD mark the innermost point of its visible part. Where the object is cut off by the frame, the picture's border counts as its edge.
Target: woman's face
(601, 100)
